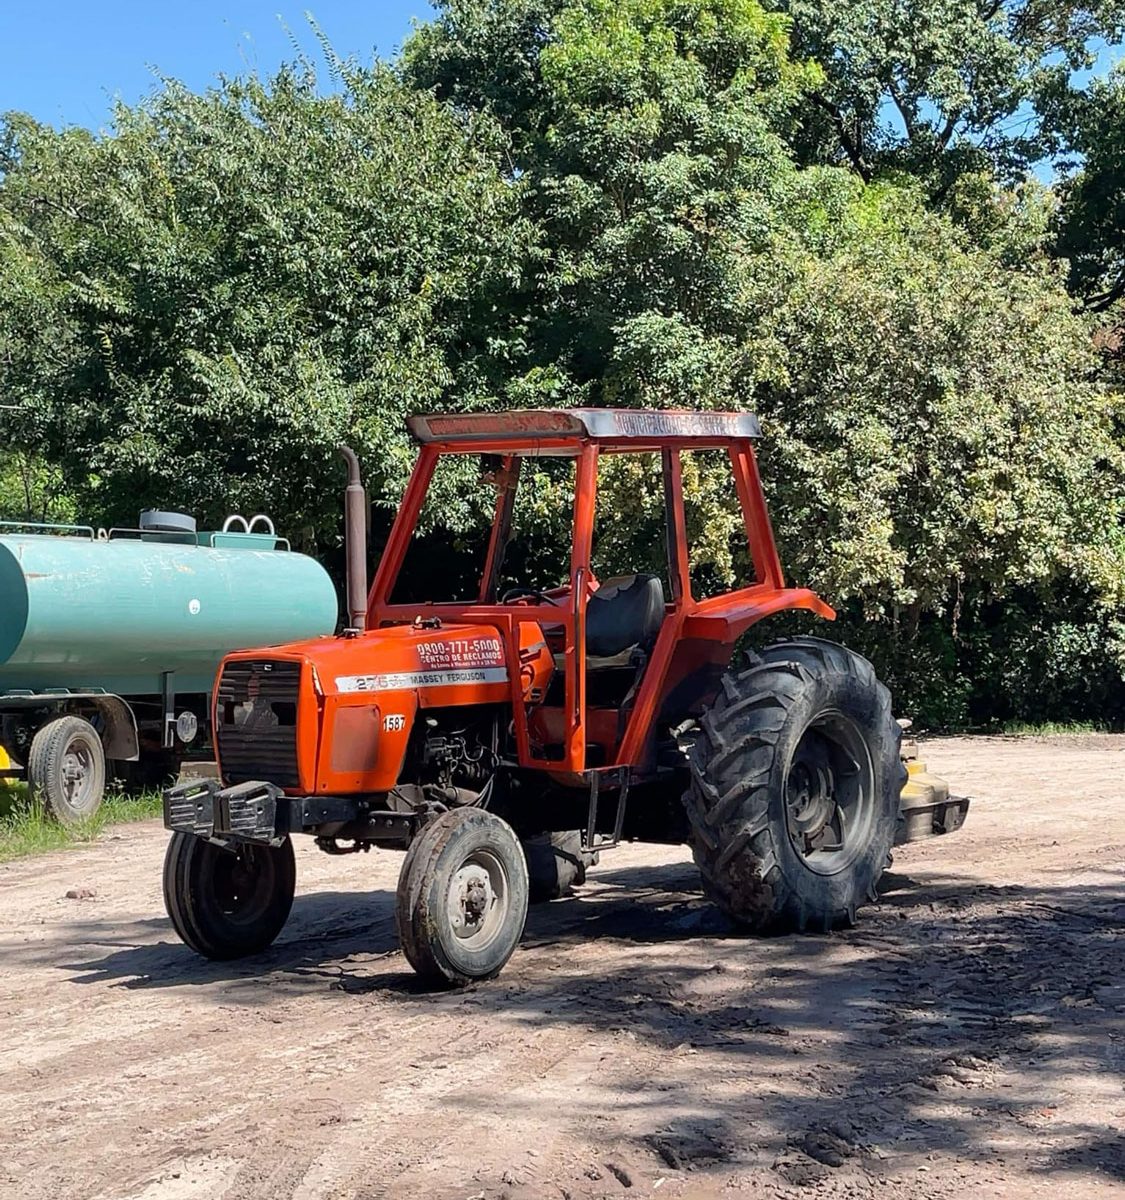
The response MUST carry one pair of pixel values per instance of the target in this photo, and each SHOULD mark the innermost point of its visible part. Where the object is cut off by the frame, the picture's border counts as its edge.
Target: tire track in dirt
(968, 1037)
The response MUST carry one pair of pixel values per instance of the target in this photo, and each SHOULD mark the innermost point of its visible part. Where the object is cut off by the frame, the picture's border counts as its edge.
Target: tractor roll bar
(625, 425)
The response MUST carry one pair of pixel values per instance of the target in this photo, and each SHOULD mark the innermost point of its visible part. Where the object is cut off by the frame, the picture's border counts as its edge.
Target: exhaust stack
(355, 540)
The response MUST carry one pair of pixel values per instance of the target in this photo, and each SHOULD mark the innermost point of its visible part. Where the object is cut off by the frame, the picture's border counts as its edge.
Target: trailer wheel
(228, 902)
(462, 898)
(795, 786)
(66, 769)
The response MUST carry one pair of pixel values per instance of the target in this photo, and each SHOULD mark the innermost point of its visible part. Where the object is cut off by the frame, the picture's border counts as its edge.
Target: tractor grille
(256, 734)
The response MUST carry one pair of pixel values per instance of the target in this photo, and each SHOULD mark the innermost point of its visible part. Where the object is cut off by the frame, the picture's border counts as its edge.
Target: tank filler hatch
(154, 520)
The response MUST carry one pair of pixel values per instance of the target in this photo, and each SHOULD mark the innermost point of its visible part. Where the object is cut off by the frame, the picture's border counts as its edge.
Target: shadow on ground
(953, 1011)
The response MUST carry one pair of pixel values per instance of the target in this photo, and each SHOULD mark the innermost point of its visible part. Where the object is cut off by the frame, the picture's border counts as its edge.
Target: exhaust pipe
(355, 540)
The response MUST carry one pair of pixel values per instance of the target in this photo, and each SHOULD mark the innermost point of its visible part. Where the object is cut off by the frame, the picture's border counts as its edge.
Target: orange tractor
(506, 737)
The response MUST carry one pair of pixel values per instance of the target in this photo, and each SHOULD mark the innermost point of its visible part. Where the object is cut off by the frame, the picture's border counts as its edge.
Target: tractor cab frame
(697, 635)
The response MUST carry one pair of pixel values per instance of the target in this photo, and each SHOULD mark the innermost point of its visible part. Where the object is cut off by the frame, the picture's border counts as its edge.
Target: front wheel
(462, 897)
(795, 786)
(228, 902)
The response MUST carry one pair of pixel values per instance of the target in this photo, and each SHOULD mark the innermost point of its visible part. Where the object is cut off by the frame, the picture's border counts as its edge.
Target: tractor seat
(622, 616)
(624, 613)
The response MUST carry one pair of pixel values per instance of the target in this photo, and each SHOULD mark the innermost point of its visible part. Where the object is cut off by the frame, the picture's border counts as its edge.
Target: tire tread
(43, 764)
(728, 808)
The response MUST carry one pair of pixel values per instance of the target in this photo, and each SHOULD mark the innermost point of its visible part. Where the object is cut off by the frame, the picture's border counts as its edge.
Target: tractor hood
(341, 709)
(436, 663)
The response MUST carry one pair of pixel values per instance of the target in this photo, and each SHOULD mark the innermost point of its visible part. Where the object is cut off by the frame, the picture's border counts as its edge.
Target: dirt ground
(968, 1038)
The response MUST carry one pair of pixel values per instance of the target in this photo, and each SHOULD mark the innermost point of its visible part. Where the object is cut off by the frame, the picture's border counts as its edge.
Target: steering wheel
(522, 593)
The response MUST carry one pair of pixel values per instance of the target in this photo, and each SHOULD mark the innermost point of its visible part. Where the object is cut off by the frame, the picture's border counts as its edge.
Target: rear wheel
(556, 864)
(795, 787)
(66, 768)
(228, 902)
(462, 897)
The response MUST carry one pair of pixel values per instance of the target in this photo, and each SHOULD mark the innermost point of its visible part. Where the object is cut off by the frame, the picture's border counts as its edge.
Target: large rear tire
(795, 786)
(462, 898)
(66, 769)
(228, 902)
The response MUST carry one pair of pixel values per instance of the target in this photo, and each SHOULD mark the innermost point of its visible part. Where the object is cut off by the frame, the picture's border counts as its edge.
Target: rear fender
(119, 735)
(691, 654)
(700, 648)
(726, 618)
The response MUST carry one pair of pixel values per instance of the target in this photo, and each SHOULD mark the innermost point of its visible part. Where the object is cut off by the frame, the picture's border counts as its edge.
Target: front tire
(231, 902)
(462, 898)
(66, 769)
(795, 786)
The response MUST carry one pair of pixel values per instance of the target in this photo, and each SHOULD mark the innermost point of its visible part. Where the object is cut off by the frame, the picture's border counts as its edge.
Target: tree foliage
(33, 490)
(942, 88)
(639, 203)
(930, 413)
(645, 133)
(937, 420)
(199, 307)
(1091, 220)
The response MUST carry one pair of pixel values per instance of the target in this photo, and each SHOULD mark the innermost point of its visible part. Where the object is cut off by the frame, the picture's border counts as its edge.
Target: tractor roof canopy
(620, 428)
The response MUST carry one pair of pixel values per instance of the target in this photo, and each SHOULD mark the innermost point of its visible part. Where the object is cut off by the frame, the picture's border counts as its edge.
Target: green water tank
(79, 611)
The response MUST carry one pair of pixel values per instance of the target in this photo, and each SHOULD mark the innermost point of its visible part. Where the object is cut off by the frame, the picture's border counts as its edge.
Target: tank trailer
(110, 640)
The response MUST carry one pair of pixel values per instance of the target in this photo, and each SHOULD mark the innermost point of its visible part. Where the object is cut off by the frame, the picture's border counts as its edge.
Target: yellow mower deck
(926, 807)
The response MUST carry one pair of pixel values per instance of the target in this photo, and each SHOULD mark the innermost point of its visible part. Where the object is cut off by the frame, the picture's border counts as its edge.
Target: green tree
(937, 420)
(1091, 220)
(934, 436)
(941, 88)
(647, 135)
(199, 307)
(563, 201)
(32, 490)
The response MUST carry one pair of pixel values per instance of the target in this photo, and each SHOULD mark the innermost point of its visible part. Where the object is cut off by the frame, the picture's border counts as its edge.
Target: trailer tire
(462, 898)
(228, 903)
(66, 769)
(794, 793)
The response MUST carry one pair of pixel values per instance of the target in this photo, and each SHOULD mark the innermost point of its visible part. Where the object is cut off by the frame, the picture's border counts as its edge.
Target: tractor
(504, 715)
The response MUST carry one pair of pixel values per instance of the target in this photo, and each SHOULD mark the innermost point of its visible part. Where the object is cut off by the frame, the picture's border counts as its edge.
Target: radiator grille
(256, 734)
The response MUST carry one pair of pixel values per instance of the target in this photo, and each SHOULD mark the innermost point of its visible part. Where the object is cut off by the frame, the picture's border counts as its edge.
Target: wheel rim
(830, 794)
(77, 773)
(242, 884)
(477, 901)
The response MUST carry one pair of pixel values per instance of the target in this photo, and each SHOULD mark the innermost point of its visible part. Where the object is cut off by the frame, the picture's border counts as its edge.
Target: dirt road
(968, 1038)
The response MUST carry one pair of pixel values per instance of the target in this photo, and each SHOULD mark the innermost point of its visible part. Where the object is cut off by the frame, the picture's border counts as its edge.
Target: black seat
(624, 612)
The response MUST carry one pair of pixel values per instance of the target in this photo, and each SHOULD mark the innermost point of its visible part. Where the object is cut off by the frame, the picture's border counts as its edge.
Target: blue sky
(64, 61)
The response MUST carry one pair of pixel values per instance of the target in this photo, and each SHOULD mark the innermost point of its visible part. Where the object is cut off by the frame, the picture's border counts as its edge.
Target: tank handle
(280, 543)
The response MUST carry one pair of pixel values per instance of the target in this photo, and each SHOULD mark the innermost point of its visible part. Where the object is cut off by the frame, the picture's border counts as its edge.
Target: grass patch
(26, 829)
(1053, 728)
